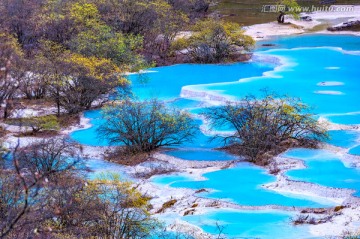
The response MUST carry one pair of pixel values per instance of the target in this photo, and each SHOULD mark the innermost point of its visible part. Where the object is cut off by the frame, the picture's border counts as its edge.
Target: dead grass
(68, 120)
(339, 208)
(167, 205)
(122, 156)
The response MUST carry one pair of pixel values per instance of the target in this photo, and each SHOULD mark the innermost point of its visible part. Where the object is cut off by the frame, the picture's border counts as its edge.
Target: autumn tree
(35, 166)
(45, 195)
(158, 40)
(35, 82)
(18, 18)
(155, 22)
(215, 41)
(90, 79)
(146, 126)
(264, 127)
(122, 211)
(11, 70)
(128, 17)
(96, 38)
(74, 81)
(54, 22)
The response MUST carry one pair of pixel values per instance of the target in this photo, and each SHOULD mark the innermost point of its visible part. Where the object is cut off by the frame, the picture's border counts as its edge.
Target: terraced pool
(322, 70)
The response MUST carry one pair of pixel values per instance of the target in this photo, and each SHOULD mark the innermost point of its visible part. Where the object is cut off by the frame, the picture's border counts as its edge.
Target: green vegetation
(37, 123)
(291, 7)
(51, 201)
(49, 122)
(215, 41)
(11, 60)
(267, 126)
(74, 53)
(146, 126)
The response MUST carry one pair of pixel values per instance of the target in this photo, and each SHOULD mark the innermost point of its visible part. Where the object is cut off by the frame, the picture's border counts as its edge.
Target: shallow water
(346, 42)
(314, 69)
(344, 138)
(249, 224)
(306, 74)
(241, 184)
(355, 150)
(303, 78)
(100, 168)
(201, 154)
(89, 136)
(324, 168)
(165, 83)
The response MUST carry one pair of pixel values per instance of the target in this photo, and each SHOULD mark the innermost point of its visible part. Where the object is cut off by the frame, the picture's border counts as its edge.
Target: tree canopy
(146, 126)
(266, 126)
(75, 52)
(215, 41)
(44, 195)
(288, 7)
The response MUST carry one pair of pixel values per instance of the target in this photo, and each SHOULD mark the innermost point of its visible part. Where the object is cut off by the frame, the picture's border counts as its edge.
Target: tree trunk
(7, 108)
(281, 17)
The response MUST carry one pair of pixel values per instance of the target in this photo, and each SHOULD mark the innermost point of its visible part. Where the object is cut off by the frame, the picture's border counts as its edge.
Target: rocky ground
(320, 20)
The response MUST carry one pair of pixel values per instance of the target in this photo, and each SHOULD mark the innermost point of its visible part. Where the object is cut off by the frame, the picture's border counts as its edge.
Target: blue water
(344, 138)
(100, 168)
(316, 70)
(324, 168)
(166, 82)
(310, 67)
(249, 224)
(304, 79)
(346, 42)
(199, 149)
(89, 136)
(345, 118)
(169, 179)
(355, 150)
(242, 185)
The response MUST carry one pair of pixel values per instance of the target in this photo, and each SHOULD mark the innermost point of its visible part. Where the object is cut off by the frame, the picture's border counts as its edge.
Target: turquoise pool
(344, 138)
(250, 224)
(322, 70)
(242, 185)
(329, 81)
(355, 150)
(324, 168)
